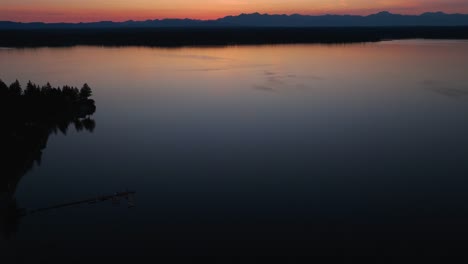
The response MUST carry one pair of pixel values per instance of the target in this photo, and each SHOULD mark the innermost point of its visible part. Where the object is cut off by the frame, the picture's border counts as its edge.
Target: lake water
(355, 149)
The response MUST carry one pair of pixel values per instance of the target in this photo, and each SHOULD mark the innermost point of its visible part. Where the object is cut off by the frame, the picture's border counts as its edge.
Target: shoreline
(180, 37)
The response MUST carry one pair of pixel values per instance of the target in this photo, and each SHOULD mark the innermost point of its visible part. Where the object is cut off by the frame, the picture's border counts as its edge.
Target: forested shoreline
(29, 116)
(219, 36)
(36, 102)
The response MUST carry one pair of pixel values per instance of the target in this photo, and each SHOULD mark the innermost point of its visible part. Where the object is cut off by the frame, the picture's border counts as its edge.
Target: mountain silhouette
(381, 19)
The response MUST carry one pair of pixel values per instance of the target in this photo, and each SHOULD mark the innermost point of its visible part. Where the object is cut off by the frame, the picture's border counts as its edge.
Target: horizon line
(214, 19)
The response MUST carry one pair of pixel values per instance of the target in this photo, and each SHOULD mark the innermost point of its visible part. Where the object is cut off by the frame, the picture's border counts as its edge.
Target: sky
(122, 10)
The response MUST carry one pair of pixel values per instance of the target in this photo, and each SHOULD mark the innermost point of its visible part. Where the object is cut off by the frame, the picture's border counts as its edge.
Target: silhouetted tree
(31, 89)
(3, 88)
(15, 89)
(29, 117)
(71, 93)
(60, 106)
(85, 92)
(49, 94)
(46, 89)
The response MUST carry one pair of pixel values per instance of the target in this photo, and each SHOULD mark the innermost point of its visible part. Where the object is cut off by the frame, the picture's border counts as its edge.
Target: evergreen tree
(31, 89)
(71, 93)
(46, 89)
(3, 88)
(15, 89)
(85, 92)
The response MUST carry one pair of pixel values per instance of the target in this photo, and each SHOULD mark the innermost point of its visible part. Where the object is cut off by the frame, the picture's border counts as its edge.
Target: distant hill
(265, 20)
(379, 19)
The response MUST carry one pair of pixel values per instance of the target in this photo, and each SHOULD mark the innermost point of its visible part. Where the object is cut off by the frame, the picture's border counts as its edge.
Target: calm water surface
(285, 150)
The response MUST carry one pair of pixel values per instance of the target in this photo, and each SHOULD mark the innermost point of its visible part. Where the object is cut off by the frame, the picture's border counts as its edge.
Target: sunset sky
(121, 10)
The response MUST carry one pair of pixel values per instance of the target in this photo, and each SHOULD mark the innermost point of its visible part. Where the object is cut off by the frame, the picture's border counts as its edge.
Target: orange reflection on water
(230, 70)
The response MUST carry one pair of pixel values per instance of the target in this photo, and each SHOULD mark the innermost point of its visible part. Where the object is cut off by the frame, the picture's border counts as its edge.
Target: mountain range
(382, 19)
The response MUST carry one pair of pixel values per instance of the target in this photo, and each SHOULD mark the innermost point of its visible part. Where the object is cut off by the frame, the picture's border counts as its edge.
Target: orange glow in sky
(121, 10)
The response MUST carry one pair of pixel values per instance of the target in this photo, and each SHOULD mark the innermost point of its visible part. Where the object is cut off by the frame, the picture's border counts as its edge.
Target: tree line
(210, 36)
(28, 117)
(69, 93)
(42, 102)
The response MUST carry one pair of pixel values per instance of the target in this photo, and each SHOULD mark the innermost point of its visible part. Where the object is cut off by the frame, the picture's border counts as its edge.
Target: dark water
(259, 150)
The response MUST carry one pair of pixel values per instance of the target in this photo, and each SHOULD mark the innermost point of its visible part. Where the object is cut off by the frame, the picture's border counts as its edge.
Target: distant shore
(176, 37)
